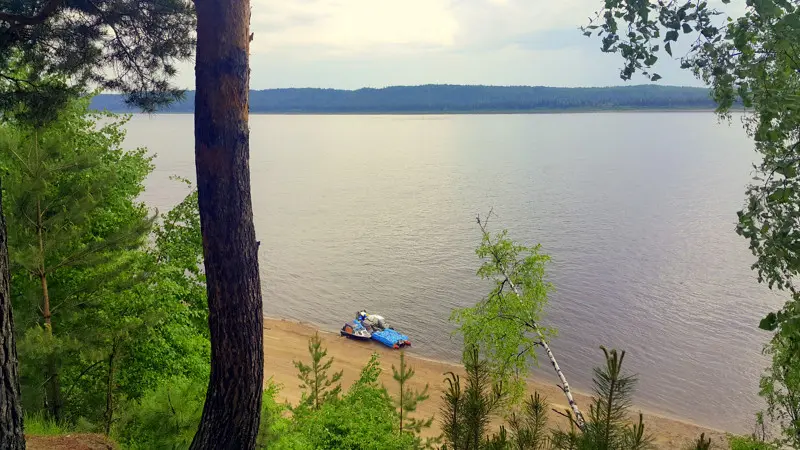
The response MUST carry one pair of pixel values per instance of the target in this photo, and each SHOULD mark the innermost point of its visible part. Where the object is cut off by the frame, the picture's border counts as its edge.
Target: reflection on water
(637, 211)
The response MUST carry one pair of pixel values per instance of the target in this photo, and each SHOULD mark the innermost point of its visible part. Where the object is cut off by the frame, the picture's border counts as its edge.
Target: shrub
(166, 418)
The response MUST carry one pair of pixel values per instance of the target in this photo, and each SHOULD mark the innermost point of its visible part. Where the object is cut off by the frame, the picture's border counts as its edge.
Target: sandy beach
(285, 341)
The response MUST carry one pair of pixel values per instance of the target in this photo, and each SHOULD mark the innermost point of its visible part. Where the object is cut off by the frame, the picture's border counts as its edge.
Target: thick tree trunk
(11, 435)
(232, 409)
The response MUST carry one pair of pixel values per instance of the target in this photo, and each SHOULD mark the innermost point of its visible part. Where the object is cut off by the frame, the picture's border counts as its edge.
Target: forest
(453, 99)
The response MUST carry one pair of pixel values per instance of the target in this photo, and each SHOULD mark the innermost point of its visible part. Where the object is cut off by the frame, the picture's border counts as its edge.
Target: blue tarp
(390, 337)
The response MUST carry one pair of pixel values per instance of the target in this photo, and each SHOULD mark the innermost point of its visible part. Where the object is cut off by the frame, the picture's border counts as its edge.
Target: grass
(38, 425)
(748, 443)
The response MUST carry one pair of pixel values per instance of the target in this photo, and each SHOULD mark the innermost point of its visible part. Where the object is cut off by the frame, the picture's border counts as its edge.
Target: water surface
(637, 211)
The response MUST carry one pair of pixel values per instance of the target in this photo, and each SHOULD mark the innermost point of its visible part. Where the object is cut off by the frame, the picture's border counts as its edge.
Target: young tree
(233, 402)
(44, 42)
(11, 423)
(409, 398)
(144, 339)
(451, 413)
(607, 426)
(318, 387)
(468, 410)
(529, 427)
(505, 325)
(71, 207)
(702, 443)
(482, 398)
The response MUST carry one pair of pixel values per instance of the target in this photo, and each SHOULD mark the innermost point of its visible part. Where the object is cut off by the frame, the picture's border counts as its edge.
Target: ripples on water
(636, 210)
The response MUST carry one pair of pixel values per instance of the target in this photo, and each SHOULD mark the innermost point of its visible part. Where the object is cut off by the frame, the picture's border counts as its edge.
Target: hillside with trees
(440, 98)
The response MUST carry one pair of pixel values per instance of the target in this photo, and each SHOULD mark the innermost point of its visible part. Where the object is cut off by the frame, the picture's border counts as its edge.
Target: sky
(349, 44)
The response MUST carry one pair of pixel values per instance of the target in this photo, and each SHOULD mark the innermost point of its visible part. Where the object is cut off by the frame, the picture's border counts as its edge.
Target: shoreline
(286, 340)
(445, 113)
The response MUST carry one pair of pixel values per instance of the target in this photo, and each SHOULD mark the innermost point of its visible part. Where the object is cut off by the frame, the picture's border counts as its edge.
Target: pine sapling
(529, 427)
(452, 421)
(482, 399)
(702, 443)
(409, 399)
(318, 387)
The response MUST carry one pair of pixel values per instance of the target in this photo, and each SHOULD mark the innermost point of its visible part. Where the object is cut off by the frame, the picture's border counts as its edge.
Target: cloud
(355, 43)
(345, 27)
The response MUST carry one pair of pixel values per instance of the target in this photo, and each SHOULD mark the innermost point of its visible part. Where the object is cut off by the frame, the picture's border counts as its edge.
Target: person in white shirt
(374, 321)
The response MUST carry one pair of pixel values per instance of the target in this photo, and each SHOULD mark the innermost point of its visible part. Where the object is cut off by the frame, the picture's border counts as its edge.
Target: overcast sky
(350, 44)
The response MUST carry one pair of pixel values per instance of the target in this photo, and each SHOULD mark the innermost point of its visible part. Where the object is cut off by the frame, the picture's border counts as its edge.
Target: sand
(286, 341)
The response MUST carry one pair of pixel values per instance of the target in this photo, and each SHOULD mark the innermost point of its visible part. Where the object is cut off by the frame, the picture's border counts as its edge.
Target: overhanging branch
(18, 20)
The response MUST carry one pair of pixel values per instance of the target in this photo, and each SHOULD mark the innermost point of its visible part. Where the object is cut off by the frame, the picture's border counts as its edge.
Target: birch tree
(506, 325)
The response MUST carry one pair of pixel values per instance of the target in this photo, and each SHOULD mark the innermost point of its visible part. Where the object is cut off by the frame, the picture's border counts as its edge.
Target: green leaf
(655, 77)
(668, 48)
(687, 28)
(672, 35)
(769, 323)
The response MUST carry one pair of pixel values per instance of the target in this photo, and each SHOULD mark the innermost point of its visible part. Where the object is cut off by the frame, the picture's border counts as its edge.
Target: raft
(391, 338)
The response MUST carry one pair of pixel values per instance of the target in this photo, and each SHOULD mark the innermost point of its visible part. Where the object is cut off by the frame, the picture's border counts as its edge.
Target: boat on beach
(388, 337)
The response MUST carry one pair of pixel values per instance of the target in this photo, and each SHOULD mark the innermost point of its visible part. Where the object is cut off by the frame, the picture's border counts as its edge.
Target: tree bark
(11, 430)
(232, 409)
(109, 415)
(53, 397)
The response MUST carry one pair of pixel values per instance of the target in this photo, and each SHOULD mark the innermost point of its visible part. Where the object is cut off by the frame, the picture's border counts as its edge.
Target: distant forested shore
(448, 99)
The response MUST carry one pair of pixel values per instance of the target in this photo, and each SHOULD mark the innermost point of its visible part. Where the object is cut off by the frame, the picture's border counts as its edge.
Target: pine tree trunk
(232, 409)
(109, 415)
(53, 396)
(11, 434)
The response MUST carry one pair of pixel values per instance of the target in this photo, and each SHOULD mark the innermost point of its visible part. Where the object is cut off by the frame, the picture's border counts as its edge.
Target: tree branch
(49, 8)
(78, 378)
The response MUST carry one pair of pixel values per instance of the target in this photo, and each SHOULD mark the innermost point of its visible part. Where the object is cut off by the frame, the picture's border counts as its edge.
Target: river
(637, 211)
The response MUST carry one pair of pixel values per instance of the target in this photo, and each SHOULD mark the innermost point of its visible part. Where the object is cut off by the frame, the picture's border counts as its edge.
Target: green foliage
(702, 443)
(275, 423)
(127, 313)
(498, 441)
(752, 60)
(607, 427)
(165, 418)
(748, 443)
(613, 393)
(72, 222)
(505, 325)
(529, 427)
(409, 399)
(317, 387)
(41, 425)
(45, 43)
(780, 386)
(362, 419)
(451, 413)
(467, 411)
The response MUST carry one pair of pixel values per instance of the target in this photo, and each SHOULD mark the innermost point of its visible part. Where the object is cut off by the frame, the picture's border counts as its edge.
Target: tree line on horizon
(442, 98)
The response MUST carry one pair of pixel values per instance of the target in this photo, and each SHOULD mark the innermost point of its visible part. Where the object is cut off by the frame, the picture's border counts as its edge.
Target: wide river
(637, 211)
